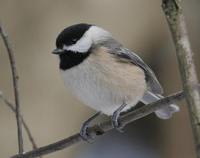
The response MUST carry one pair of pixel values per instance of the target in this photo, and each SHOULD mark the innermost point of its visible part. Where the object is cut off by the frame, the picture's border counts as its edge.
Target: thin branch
(176, 22)
(10, 105)
(15, 86)
(104, 127)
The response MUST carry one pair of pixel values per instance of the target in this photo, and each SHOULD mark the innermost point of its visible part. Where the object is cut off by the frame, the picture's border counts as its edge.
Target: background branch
(15, 86)
(103, 127)
(10, 105)
(176, 22)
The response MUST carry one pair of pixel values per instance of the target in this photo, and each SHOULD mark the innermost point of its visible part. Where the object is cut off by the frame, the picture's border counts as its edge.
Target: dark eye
(74, 40)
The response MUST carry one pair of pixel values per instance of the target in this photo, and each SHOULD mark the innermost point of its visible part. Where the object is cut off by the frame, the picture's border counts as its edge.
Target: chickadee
(104, 75)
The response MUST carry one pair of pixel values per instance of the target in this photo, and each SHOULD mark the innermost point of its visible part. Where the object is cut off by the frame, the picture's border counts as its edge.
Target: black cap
(71, 34)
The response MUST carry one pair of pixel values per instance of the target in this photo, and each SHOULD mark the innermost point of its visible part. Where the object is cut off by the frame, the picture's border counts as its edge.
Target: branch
(104, 127)
(10, 105)
(15, 86)
(176, 22)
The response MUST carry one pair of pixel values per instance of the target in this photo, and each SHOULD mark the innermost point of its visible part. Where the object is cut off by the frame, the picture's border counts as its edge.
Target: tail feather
(165, 112)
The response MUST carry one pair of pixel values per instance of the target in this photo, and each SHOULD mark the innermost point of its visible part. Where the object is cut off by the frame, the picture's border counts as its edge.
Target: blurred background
(52, 113)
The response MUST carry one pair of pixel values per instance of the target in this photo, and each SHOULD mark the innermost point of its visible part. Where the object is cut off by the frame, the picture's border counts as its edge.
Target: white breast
(104, 84)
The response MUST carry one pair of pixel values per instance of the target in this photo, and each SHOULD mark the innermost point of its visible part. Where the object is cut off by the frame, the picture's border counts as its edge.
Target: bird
(104, 75)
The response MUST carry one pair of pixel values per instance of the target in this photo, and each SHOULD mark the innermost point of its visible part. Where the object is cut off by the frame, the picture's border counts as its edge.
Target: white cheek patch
(93, 35)
(81, 46)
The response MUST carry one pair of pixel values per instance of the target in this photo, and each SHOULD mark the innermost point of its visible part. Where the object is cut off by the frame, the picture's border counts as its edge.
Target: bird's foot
(115, 118)
(85, 135)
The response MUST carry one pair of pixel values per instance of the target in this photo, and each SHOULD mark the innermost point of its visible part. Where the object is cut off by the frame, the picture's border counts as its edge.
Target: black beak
(58, 51)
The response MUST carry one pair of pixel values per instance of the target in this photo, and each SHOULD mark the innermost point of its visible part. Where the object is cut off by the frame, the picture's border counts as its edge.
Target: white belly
(104, 86)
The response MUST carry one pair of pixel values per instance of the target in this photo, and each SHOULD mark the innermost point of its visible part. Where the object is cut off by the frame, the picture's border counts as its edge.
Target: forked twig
(10, 105)
(15, 86)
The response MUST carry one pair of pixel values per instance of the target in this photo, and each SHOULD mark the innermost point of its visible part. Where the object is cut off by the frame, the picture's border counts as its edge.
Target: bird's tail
(165, 112)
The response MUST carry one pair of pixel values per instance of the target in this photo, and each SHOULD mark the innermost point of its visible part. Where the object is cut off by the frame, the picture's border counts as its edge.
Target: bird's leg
(83, 132)
(115, 118)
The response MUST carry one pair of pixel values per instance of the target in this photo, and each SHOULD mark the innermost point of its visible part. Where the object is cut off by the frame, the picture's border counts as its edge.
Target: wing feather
(124, 53)
(153, 82)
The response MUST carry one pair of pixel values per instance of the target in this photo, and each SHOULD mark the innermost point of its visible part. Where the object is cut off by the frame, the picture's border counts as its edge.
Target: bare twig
(16, 87)
(10, 105)
(103, 127)
(175, 19)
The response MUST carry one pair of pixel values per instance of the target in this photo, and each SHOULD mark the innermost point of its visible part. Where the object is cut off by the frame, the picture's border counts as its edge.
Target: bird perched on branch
(104, 75)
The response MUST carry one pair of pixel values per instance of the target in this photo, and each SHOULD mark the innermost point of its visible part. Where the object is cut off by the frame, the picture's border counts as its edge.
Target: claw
(115, 118)
(84, 133)
(84, 129)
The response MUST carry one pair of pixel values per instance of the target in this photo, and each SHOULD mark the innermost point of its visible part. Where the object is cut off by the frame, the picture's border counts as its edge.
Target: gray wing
(153, 82)
(117, 49)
